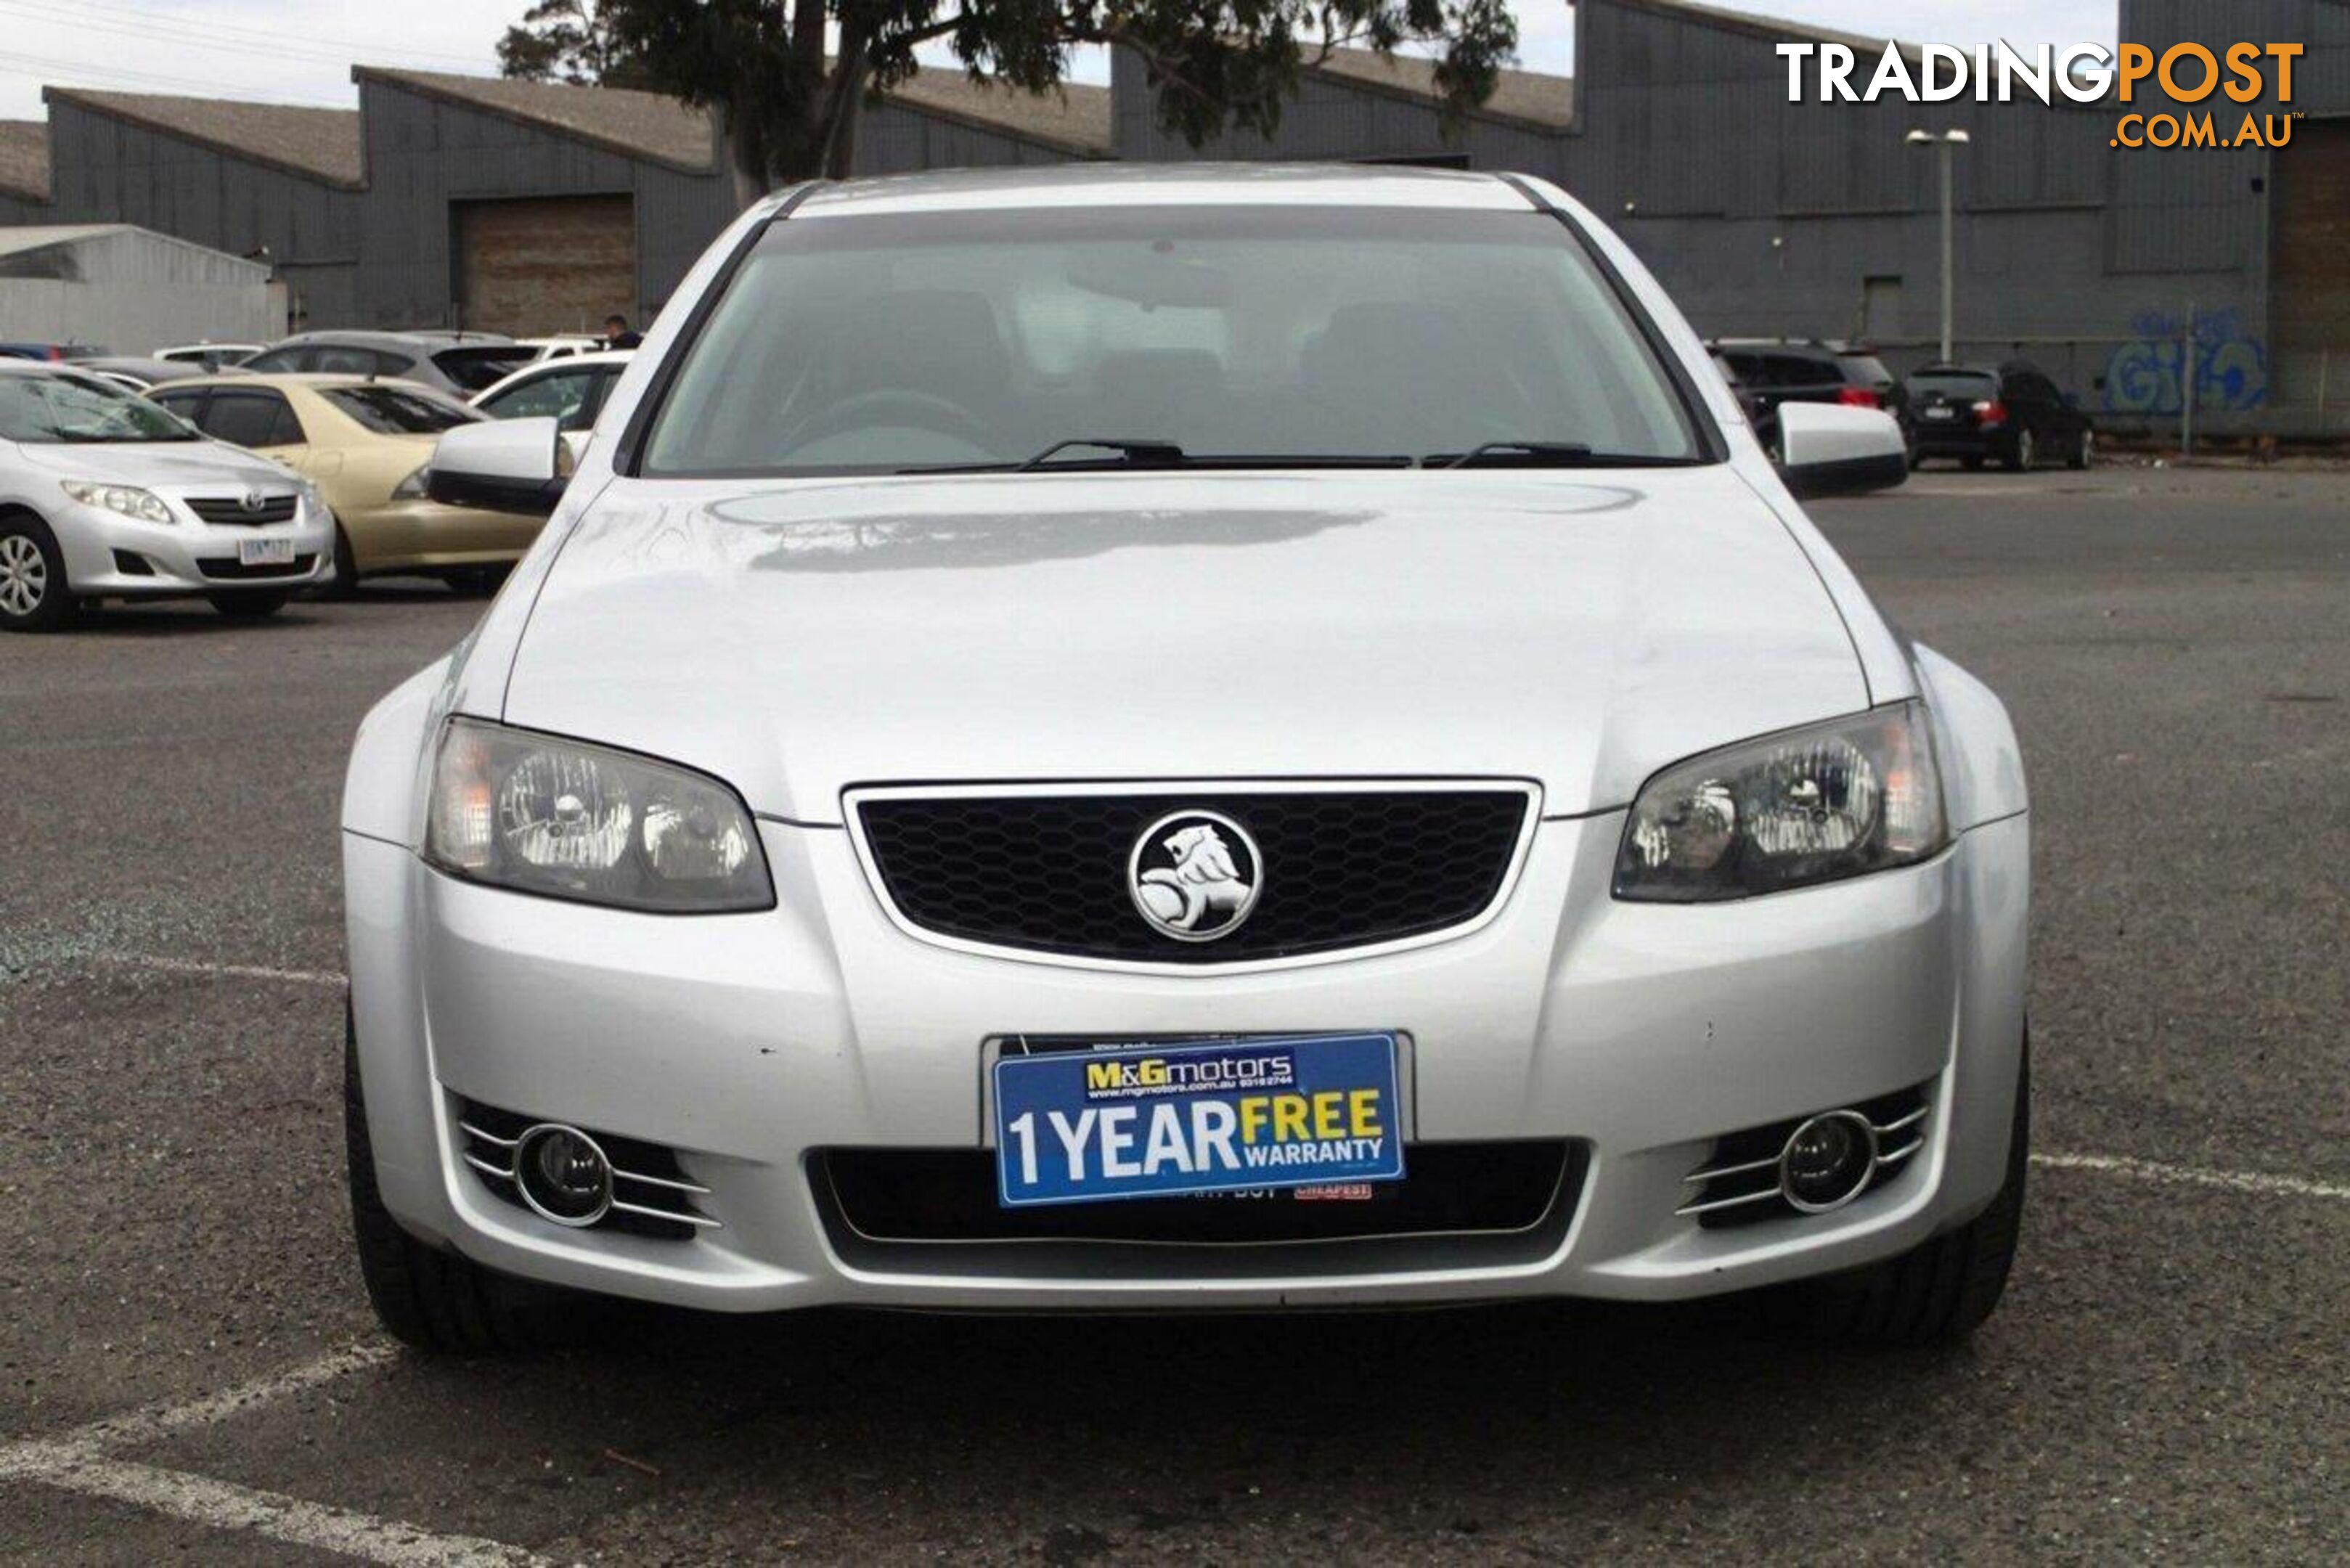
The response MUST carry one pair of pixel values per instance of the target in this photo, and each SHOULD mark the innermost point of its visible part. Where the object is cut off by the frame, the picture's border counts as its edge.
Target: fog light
(1827, 1161)
(564, 1176)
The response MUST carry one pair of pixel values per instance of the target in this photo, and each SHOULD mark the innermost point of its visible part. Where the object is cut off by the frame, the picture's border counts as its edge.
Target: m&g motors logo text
(2189, 74)
(1154, 1075)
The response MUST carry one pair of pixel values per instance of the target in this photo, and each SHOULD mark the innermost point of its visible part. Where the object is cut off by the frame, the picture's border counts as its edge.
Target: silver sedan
(1151, 739)
(105, 495)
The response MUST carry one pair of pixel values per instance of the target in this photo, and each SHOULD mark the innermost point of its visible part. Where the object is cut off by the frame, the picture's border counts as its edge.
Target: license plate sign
(1941, 413)
(264, 552)
(1086, 1126)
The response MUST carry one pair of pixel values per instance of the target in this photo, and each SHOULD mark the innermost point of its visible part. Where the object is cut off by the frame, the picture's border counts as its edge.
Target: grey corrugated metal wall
(896, 140)
(1329, 119)
(424, 153)
(107, 170)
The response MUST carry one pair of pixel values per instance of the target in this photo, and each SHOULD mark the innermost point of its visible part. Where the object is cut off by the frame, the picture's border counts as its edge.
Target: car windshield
(865, 344)
(399, 410)
(1865, 369)
(1960, 384)
(42, 409)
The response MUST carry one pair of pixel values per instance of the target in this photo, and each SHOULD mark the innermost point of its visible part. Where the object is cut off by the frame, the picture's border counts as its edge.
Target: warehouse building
(2138, 276)
(112, 286)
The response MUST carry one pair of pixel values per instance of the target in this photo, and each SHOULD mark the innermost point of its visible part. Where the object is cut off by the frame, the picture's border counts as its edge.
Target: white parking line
(231, 970)
(222, 1505)
(159, 1421)
(82, 1461)
(2188, 1175)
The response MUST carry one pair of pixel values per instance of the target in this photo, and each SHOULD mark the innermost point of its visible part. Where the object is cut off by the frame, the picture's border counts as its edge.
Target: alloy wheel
(23, 575)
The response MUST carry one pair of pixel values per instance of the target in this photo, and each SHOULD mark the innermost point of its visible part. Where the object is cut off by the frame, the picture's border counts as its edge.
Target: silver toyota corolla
(105, 495)
(1234, 738)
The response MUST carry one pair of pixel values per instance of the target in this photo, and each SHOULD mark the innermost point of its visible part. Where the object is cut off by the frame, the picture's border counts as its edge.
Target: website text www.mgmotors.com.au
(2188, 74)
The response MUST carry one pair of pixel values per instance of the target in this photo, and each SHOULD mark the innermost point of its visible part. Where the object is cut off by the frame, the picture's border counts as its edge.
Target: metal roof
(1073, 118)
(17, 240)
(25, 158)
(647, 125)
(320, 144)
(20, 239)
(1759, 27)
(1527, 98)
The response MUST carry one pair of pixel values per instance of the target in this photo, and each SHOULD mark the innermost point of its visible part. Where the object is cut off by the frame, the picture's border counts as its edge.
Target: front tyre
(34, 593)
(429, 1300)
(1941, 1290)
(2024, 455)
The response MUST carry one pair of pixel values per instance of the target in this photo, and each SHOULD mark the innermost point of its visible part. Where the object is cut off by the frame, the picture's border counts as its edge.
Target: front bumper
(1639, 1031)
(109, 555)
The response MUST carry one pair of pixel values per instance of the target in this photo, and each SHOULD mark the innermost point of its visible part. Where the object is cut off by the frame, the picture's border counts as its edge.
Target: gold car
(366, 442)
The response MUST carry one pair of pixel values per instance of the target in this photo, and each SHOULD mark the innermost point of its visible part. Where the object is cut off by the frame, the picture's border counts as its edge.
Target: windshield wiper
(1131, 453)
(1148, 453)
(1546, 454)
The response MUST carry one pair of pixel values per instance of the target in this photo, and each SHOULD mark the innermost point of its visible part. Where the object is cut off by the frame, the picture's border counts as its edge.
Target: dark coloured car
(1768, 371)
(2015, 415)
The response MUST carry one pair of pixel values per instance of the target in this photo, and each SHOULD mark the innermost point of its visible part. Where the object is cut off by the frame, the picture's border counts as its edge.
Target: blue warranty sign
(1083, 1126)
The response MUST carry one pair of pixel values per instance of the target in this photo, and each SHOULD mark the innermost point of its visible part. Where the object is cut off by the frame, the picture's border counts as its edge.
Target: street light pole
(1950, 141)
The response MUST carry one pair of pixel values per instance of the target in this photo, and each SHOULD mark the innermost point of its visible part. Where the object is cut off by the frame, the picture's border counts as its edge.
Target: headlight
(412, 487)
(1787, 810)
(314, 500)
(573, 821)
(144, 504)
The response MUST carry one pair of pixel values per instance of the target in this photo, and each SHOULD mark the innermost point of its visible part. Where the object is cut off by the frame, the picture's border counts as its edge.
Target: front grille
(1337, 869)
(228, 571)
(651, 1194)
(1739, 1182)
(229, 511)
(925, 1195)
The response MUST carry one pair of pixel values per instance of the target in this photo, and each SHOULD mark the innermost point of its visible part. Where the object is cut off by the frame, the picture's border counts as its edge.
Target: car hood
(803, 638)
(168, 462)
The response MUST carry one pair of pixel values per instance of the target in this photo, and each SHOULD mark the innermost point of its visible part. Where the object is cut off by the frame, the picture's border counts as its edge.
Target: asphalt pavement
(188, 1369)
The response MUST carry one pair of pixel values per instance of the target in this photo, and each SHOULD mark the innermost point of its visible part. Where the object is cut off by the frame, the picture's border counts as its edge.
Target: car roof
(299, 380)
(570, 362)
(539, 368)
(366, 339)
(1162, 184)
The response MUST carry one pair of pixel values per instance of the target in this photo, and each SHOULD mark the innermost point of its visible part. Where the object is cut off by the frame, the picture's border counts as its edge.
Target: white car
(569, 390)
(105, 495)
(562, 345)
(213, 356)
(1247, 737)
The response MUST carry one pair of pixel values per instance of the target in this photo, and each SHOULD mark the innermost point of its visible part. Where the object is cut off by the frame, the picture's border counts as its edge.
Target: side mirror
(1826, 449)
(501, 466)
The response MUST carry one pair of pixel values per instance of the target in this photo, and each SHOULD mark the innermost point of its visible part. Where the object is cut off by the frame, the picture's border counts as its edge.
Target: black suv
(1768, 371)
(2013, 413)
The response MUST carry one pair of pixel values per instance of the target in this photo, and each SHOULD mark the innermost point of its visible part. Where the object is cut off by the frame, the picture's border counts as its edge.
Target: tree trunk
(843, 95)
(746, 158)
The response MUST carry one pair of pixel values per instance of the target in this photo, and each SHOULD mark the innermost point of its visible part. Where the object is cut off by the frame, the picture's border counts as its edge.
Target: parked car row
(130, 478)
(2012, 413)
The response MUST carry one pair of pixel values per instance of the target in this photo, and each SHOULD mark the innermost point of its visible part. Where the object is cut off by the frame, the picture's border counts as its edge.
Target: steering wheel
(895, 406)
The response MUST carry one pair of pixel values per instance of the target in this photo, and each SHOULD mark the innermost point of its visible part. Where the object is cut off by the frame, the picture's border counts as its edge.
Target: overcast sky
(301, 51)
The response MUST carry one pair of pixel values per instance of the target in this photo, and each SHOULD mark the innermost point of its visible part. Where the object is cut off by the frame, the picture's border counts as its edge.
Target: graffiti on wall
(2147, 375)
